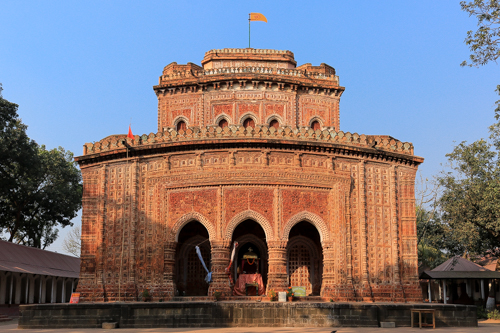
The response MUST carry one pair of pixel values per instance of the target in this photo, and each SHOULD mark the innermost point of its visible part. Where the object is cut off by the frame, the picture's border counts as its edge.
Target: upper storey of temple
(251, 97)
(248, 87)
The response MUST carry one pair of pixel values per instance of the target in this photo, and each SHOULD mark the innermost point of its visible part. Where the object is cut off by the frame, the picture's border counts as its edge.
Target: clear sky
(82, 70)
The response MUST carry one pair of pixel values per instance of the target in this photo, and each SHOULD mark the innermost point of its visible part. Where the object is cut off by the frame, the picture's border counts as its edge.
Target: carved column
(328, 279)
(365, 294)
(397, 294)
(277, 278)
(220, 260)
(349, 288)
(169, 287)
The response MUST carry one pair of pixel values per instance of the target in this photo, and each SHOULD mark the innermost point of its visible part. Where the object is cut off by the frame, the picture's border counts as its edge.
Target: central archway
(250, 237)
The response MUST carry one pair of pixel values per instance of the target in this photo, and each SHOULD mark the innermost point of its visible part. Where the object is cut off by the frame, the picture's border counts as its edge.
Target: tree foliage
(470, 201)
(484, 43)
(72, 242)
(40, 189)
(431, 232)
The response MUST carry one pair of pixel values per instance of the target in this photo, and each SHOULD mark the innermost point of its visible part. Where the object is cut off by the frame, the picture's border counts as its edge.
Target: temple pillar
(169, 286)
(328, 279)
(220, 253)
(277, 278)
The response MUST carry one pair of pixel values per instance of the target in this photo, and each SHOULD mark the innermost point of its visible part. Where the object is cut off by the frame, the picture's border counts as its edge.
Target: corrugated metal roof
(460, 275)
(25, 259)
(459, 264)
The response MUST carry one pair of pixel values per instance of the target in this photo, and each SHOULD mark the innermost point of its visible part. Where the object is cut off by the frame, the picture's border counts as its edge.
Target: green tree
(40, 189)
(470, 200)
(484, 43)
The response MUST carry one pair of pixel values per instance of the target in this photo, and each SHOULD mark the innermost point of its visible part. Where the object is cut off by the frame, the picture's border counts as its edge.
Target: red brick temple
(249, 150)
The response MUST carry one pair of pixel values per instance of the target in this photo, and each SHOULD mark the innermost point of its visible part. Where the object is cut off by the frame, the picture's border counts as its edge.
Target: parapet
(296, 135)
(248, 58)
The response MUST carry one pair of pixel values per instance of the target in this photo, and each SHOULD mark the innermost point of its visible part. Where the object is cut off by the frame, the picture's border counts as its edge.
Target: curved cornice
(262, 137)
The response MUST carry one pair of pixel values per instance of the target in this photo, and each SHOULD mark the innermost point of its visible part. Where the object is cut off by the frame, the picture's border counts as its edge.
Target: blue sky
(81, 70)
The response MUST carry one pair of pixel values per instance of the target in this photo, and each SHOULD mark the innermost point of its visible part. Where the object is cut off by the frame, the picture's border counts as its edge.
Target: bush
(481, 313)
(495, 314)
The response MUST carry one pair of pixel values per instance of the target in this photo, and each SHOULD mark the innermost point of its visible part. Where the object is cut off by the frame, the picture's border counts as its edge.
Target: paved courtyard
(488, 326)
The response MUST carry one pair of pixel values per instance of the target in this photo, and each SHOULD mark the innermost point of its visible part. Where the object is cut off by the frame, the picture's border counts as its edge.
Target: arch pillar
(220, 253)
(277, 278)
(169, 287)
(328, 279)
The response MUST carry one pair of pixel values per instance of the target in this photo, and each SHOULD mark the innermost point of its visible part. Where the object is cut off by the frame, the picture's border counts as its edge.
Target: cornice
(379, 148)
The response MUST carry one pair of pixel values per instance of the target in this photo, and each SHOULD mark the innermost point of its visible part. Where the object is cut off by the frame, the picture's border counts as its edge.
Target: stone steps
(4, 318)
(243, 299)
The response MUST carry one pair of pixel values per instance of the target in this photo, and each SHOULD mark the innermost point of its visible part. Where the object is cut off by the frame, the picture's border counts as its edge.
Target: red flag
(130, 135)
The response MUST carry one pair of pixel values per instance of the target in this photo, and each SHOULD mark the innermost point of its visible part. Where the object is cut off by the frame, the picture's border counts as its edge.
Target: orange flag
(130, 135)
(257, 17)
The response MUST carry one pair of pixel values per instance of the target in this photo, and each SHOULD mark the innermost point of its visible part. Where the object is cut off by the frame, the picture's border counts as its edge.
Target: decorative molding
(311, 218)
(249, 215)
(185, 219)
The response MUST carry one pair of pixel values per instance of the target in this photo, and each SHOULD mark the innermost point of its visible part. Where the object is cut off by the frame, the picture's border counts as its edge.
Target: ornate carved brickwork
(330, 210)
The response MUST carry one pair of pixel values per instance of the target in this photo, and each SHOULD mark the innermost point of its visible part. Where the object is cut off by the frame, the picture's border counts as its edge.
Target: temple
(249, 151)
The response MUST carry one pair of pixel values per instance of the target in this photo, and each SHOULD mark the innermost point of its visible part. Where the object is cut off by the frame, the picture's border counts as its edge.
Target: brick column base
(220, 260)
(167, 290)
(328, 278)
(277, 278)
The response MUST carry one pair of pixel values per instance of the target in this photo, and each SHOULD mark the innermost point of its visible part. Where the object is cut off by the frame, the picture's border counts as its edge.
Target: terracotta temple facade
(249, 150)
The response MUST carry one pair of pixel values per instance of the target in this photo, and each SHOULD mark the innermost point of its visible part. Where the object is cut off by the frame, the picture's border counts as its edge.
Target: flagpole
(248, 30)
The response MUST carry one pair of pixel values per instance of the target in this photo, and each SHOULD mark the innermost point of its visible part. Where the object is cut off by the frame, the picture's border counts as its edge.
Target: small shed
(31, 275)
(460, 281)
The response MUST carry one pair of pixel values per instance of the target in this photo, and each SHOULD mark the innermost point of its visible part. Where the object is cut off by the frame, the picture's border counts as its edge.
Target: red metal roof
(25, 259)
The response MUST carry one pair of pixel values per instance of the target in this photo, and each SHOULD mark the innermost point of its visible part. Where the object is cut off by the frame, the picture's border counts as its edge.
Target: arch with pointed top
(308, 217)
(274, 117)
(178, 119)
(249, 215)
(250, 115)
(225, 117)
(189, 217)
(319, 120)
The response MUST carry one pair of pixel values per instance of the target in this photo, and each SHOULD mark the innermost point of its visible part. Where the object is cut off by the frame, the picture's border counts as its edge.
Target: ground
(485, 326)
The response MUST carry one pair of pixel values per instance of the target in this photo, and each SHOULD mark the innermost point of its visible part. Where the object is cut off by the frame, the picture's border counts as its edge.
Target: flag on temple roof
(130, 135)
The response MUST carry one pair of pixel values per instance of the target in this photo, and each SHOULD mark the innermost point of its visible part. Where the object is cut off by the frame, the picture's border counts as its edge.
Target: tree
(40, 189)
(470, 201)
(484, 43)
(72, 242)
(431, 232)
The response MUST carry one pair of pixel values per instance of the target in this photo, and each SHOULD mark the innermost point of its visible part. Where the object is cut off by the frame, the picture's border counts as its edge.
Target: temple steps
(244, 299)
(4, 318)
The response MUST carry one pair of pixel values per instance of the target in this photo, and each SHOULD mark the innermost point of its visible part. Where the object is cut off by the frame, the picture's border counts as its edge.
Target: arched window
(223, 123)
(249, 122)
(315, 125)
(181, 125)
(274, 123)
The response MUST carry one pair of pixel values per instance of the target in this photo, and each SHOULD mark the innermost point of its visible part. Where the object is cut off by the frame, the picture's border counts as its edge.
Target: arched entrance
(189, 272)
(305, 258)
(251, 238)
